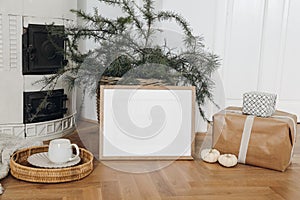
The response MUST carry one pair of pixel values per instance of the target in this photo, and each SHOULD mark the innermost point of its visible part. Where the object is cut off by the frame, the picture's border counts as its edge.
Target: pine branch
(148, 13)
(103, 24)
(129, 9)
(112, 2)
(169, 15)
(124, 45)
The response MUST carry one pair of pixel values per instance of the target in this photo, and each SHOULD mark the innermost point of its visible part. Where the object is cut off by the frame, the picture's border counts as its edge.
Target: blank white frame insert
(146, 122)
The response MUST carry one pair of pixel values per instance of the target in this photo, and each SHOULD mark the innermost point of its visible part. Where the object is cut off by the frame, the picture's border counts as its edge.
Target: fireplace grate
(42, 52)
(44, 106)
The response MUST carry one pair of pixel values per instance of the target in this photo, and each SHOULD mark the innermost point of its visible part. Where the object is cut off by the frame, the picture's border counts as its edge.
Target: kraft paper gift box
(263, 142)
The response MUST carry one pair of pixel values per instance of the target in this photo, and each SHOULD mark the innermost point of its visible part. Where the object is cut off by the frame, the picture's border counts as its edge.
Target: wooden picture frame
(146, 122)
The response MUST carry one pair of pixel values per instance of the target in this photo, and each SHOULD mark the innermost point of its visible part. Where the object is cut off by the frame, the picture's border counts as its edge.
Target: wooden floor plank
(175, 177)
(162, 185)
(146, 187)
(179, 180)
(226, 197)
(111, 190)
(129, 188)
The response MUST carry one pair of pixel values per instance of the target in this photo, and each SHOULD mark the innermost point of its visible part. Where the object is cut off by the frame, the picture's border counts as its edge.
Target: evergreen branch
(112, 2)
(148, 14)
(101, 22)
(129, 9)
(168, 15)
(124, 44)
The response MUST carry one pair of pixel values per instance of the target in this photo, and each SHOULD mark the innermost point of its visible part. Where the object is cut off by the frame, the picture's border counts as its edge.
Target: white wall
(87, 106)
(260, 50)
(201, 14)
(258, 42)
(39, 8)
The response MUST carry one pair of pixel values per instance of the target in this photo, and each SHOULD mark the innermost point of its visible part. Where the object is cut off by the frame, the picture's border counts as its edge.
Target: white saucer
(42, 160)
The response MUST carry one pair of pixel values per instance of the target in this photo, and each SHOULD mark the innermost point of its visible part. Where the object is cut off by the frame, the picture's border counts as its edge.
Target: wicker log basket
(22, 170)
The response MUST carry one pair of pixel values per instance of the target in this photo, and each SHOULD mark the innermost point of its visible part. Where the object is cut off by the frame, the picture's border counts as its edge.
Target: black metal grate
(38, 108)
(42, 52)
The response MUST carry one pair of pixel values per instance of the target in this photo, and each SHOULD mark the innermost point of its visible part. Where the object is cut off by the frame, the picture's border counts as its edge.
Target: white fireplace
(14, 16)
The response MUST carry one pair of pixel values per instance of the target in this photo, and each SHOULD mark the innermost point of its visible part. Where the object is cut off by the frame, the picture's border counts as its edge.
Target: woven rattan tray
(21, 169)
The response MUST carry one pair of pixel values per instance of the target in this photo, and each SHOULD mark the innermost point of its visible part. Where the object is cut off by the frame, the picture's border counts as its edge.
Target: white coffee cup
(60, 151)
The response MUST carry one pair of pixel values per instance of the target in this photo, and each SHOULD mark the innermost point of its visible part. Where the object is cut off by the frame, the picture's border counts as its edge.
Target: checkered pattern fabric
(260, 104)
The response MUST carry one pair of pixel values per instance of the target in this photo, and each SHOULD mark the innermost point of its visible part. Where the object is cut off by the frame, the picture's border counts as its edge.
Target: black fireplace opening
(42, 52)
(44, 105)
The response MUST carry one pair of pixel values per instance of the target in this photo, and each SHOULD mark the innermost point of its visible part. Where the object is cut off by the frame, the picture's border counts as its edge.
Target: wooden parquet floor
(181, 180)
